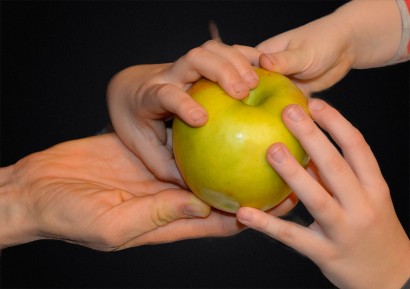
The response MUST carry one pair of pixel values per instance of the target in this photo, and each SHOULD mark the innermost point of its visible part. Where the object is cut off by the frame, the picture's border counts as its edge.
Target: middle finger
(335, 172)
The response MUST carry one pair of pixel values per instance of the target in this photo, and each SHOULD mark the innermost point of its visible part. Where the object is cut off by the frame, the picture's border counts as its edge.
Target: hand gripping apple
(224, 162)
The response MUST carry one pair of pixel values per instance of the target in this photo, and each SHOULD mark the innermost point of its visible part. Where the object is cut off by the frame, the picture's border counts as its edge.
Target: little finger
(293, 235)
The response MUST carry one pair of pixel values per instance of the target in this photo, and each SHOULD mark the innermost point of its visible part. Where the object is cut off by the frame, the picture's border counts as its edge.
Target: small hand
(315, 55)
(356, 238)
(320, 53)
(141, 97)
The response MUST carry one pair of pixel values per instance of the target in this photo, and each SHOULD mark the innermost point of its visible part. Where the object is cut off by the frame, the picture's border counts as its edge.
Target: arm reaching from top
(360, 34)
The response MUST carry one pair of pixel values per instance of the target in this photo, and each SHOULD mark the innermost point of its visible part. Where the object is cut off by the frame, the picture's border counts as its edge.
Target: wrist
(375, 31)
(16, 227)
(395, 265)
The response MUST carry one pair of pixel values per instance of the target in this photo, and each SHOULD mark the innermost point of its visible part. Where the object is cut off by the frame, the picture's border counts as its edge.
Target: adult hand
(141, 97)
(96, 193)
(356, 238)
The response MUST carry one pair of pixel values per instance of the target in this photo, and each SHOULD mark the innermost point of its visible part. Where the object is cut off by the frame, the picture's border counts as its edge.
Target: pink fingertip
(245, 216)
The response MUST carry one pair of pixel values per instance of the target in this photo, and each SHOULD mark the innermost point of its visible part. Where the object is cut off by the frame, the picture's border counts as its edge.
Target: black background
(56, 60)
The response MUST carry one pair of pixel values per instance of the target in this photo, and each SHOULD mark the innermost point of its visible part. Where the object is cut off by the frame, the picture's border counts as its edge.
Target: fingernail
(251, 78)
(278, 154)
(295, 113)
(198, 115)
(316, 104)
(196, 211)
(240, 87)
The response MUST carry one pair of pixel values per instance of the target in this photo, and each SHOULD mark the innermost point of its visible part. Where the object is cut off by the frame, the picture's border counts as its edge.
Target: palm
(96, 193)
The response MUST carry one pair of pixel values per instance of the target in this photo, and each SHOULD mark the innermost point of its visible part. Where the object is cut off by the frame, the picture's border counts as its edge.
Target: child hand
(356, 238)
(141, 97)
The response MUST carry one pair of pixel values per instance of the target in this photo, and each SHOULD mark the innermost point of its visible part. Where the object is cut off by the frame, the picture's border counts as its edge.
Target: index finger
(220, 63)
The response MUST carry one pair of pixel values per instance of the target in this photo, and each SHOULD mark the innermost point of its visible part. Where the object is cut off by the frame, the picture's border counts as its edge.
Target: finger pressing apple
(224, 161)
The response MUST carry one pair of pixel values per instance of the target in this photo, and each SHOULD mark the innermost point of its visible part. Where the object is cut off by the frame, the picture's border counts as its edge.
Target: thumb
(174, 204)
(170, 98)
(285, 62)
(125, 224)
(160, 209)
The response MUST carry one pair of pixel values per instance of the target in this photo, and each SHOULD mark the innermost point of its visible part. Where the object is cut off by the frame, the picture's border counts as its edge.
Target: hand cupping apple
(224, 162)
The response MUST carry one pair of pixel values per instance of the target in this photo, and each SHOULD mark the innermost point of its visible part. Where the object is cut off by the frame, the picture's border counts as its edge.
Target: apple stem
(255, 99)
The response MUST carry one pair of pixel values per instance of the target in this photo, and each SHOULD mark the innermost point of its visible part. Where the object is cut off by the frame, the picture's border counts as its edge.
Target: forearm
(374, 28)
(403, 54)
(16, 227)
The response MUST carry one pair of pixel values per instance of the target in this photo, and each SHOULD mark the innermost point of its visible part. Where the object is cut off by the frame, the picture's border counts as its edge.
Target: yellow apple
(224, 162)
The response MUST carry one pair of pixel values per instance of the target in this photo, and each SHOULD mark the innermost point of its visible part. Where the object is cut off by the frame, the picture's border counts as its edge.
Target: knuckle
(163, 173)
(319, 204)
(194, 53)
(164, 90)
(210, 44)
(159, 103)
(228, 70)
(355, 140)
(237, 46)
(285, 59)
(285, 232)
(308, 129)
(286, 62)
(308, 66)
(160, 217)
(369, 217)
(336, 165)
(291, 171)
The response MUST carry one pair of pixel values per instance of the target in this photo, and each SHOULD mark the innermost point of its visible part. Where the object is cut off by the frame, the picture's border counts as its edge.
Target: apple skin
(224, 162)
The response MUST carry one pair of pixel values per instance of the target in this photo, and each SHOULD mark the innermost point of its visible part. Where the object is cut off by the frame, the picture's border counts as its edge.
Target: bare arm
(360, 34)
